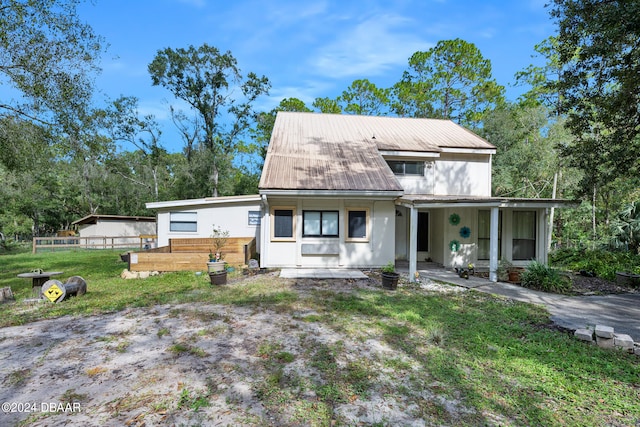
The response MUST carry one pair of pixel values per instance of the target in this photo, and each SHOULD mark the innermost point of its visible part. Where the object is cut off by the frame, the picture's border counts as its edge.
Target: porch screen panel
(283, 223)
(524, 235)
(484, 234)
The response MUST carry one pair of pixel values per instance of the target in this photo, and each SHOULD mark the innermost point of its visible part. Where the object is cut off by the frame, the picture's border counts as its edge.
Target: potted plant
(389, 276)
(504, 267)
(216, 265)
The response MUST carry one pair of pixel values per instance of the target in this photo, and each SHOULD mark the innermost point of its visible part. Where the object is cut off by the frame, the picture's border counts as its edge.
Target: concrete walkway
(621, 311)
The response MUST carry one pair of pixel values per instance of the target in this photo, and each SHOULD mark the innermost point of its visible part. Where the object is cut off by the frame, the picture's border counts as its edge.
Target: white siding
(463, 175)
(307, 252)
(112, 228)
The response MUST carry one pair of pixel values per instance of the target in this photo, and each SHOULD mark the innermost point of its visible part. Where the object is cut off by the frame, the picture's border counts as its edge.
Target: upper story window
(402, 167)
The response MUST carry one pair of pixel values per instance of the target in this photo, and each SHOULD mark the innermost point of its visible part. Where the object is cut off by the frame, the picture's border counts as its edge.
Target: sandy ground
(125, 369)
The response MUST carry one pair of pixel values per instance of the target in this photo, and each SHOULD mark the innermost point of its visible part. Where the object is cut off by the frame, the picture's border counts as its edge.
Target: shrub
(544, 278)
(602, 262)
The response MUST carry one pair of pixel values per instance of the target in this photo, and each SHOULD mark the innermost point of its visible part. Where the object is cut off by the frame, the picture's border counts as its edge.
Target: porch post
(493, 246)
(413, 243)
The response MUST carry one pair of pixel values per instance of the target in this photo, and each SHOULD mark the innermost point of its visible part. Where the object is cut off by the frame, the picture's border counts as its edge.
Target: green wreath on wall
(454, 245)
(454, 219)
(465, 232)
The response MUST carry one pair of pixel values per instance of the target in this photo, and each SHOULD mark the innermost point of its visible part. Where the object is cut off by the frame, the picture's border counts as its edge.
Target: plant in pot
(389, 276)
(216, 265)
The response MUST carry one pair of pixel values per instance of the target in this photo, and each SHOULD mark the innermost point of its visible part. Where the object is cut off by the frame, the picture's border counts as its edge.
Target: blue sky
(307, 49)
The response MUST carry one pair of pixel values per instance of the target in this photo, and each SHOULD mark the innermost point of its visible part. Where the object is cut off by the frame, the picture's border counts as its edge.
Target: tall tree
(365, 98)
(48, 54)
(208, 80)
(327, 105)
(600, 83)
(455, 79)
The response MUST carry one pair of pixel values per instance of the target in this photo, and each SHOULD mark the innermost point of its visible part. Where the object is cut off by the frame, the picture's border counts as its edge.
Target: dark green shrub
(544, 278)
(602, 262)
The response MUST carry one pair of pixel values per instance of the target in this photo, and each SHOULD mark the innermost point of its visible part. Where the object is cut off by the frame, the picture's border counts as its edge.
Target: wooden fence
(94, 242)
(191, 254)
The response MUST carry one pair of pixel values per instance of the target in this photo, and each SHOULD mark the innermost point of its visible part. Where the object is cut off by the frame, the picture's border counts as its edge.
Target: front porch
(436, 272)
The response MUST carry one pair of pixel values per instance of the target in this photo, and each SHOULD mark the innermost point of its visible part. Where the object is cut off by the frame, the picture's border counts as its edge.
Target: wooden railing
(143, 241)
(192, 254)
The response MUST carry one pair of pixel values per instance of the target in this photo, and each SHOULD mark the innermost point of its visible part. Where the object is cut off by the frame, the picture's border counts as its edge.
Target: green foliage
(389, 268)
(365, 98)
(208, 80)
(600, 82)
(603, 263)
(626, 228)
(544, 278)
(455, 79)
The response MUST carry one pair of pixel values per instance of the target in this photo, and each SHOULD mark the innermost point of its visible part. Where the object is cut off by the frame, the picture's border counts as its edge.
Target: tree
(455, 79)
(207, 80)
(265, 121)
(143, 133)
(48, 54)
(364, 98)
(327, 105)
(600, 82)
(543, 80)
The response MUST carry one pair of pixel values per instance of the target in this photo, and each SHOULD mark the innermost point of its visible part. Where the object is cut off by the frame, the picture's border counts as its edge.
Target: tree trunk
(593, 215)
(552, 212)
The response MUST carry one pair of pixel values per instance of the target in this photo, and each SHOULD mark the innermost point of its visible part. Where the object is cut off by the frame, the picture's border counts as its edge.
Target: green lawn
(497, 357)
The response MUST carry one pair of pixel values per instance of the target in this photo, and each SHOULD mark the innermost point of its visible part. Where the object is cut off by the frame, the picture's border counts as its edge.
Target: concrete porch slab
(321, 273)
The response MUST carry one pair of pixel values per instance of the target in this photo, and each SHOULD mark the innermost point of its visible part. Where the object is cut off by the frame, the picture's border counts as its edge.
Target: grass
(496, 361)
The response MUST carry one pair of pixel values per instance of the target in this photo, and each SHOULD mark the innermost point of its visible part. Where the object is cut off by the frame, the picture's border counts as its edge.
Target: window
(524, 235)
(183, 221)
(357, 225)
(320, 224)
(283, 224)
(406, 168)
(254, 217)
(484, 234)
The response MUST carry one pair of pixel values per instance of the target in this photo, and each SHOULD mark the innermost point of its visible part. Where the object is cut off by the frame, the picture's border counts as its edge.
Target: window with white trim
(183, 221)
(320, 224)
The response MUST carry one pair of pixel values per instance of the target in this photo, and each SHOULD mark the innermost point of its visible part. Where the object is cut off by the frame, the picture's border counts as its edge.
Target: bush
(601, 262)
(547, 279)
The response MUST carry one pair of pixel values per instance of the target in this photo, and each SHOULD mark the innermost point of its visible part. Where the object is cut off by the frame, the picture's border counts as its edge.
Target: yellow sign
(53, 293)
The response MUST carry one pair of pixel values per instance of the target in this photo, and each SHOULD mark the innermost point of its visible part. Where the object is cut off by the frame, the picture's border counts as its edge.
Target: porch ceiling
(431, 201)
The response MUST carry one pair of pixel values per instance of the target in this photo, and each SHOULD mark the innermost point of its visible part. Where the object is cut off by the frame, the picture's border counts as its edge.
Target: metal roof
(93, 219)
(311, 151)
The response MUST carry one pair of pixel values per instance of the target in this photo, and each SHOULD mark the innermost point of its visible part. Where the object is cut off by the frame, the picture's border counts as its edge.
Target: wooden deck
(192, 254)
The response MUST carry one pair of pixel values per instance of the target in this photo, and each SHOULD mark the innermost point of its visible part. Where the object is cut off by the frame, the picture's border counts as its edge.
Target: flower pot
(627, 279)
(218, 278)
(514, 275)
(215, 267)
(390, 280)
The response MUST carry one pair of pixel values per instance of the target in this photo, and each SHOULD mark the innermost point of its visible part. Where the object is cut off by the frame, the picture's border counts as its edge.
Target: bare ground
(156, 366)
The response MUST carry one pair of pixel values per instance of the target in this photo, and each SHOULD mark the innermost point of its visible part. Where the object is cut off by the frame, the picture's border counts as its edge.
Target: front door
(423, 234)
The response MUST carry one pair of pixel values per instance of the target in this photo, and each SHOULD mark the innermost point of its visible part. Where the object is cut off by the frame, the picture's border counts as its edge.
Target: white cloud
(370, 48)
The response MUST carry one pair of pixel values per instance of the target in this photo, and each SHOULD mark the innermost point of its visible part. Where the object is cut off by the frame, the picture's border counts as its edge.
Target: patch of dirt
(206, 364)
(586, 285)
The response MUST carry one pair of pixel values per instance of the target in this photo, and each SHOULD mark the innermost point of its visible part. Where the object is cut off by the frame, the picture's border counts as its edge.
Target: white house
(239, 215)
(361, 191)
(350, 191)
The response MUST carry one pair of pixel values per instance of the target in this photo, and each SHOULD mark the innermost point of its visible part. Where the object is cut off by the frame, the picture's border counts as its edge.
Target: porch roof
(431, 201)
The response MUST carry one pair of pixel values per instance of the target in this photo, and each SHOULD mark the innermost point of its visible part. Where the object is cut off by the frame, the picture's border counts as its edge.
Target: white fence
(144, 241)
